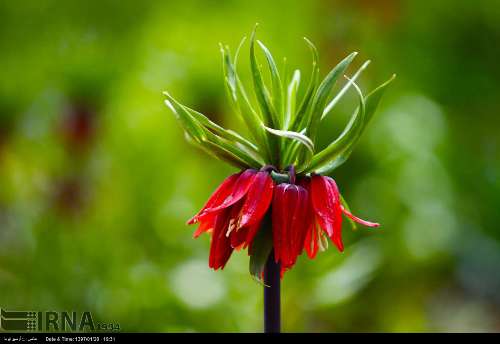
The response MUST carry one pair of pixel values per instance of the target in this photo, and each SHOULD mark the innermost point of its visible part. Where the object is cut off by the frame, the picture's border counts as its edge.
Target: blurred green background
(97, 181)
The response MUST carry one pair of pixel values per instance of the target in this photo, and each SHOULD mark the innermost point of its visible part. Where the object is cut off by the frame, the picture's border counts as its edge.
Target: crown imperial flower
(282, 198)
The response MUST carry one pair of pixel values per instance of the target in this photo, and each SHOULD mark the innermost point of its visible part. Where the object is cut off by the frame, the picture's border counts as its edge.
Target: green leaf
(338, 151)
(241, 104)
(223, 154)
(217, 152)
(294, 136)
(291, 100)
(277, 94)
(261, 92)
(299, 120)
(261, 248)
(352, 130)
(322, 93)
(341, 93)
(226, 144)
(188, 123)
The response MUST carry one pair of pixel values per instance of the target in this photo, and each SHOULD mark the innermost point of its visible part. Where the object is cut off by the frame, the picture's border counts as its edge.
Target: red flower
(326, 217)
(233, 213)
(290, 216)
(303, 215)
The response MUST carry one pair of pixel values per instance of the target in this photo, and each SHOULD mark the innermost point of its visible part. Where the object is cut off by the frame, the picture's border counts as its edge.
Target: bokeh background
(96, 179)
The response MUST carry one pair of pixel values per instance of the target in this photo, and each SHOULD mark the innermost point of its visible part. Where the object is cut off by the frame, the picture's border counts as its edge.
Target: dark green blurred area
(97, 181)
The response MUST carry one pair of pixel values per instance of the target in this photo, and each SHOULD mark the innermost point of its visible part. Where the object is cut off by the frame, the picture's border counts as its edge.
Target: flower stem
(272, 307)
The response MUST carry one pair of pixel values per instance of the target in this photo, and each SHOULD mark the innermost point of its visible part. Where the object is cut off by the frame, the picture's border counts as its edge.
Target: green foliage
(278, 114)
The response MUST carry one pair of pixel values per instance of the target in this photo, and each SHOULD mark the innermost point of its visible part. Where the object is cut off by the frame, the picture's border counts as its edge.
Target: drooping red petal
(290, 204)
(337, 223)
(311, 233)
(278, 218)
(300, 222)
(218, 196)
(289, 215)
(239, 190)
(358, 220)
(257, 200)
(311, 242)
(326, 203)
(220, 246)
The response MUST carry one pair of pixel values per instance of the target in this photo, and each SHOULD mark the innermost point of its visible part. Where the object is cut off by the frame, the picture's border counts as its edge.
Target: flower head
(282, 198)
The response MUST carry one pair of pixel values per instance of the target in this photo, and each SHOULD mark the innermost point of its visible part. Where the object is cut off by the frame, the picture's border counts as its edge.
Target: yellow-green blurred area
(97, 181)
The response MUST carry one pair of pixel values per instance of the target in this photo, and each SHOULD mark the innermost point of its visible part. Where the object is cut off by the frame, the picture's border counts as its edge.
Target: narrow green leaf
(187, 122)
(277, 94)
(294, 136)
(217, 152)
(339, 95)
(241, 104)
(225, 133)
(223, 154)
(338, 151)
(291, 100)
(261, 92)
(322, 93)
(230, 147)
(300, 118)
(227, 143)
(349, 135)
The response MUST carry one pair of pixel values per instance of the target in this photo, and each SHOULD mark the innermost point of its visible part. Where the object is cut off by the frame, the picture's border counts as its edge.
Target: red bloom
(326, 214)
(303, 215)
(233, 213)
(290, 212)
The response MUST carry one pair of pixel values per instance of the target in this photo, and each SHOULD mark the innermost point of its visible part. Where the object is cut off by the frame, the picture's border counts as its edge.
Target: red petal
(220, 247)
(303, 218)
(290, 215)
(290, 204)
(206, 225)
(326, 203)
(337, 224)
(358, 220)
(311, 233)
(218, 196)
(311, 242)
(240, 189)
(278, 219)
(258, 200)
